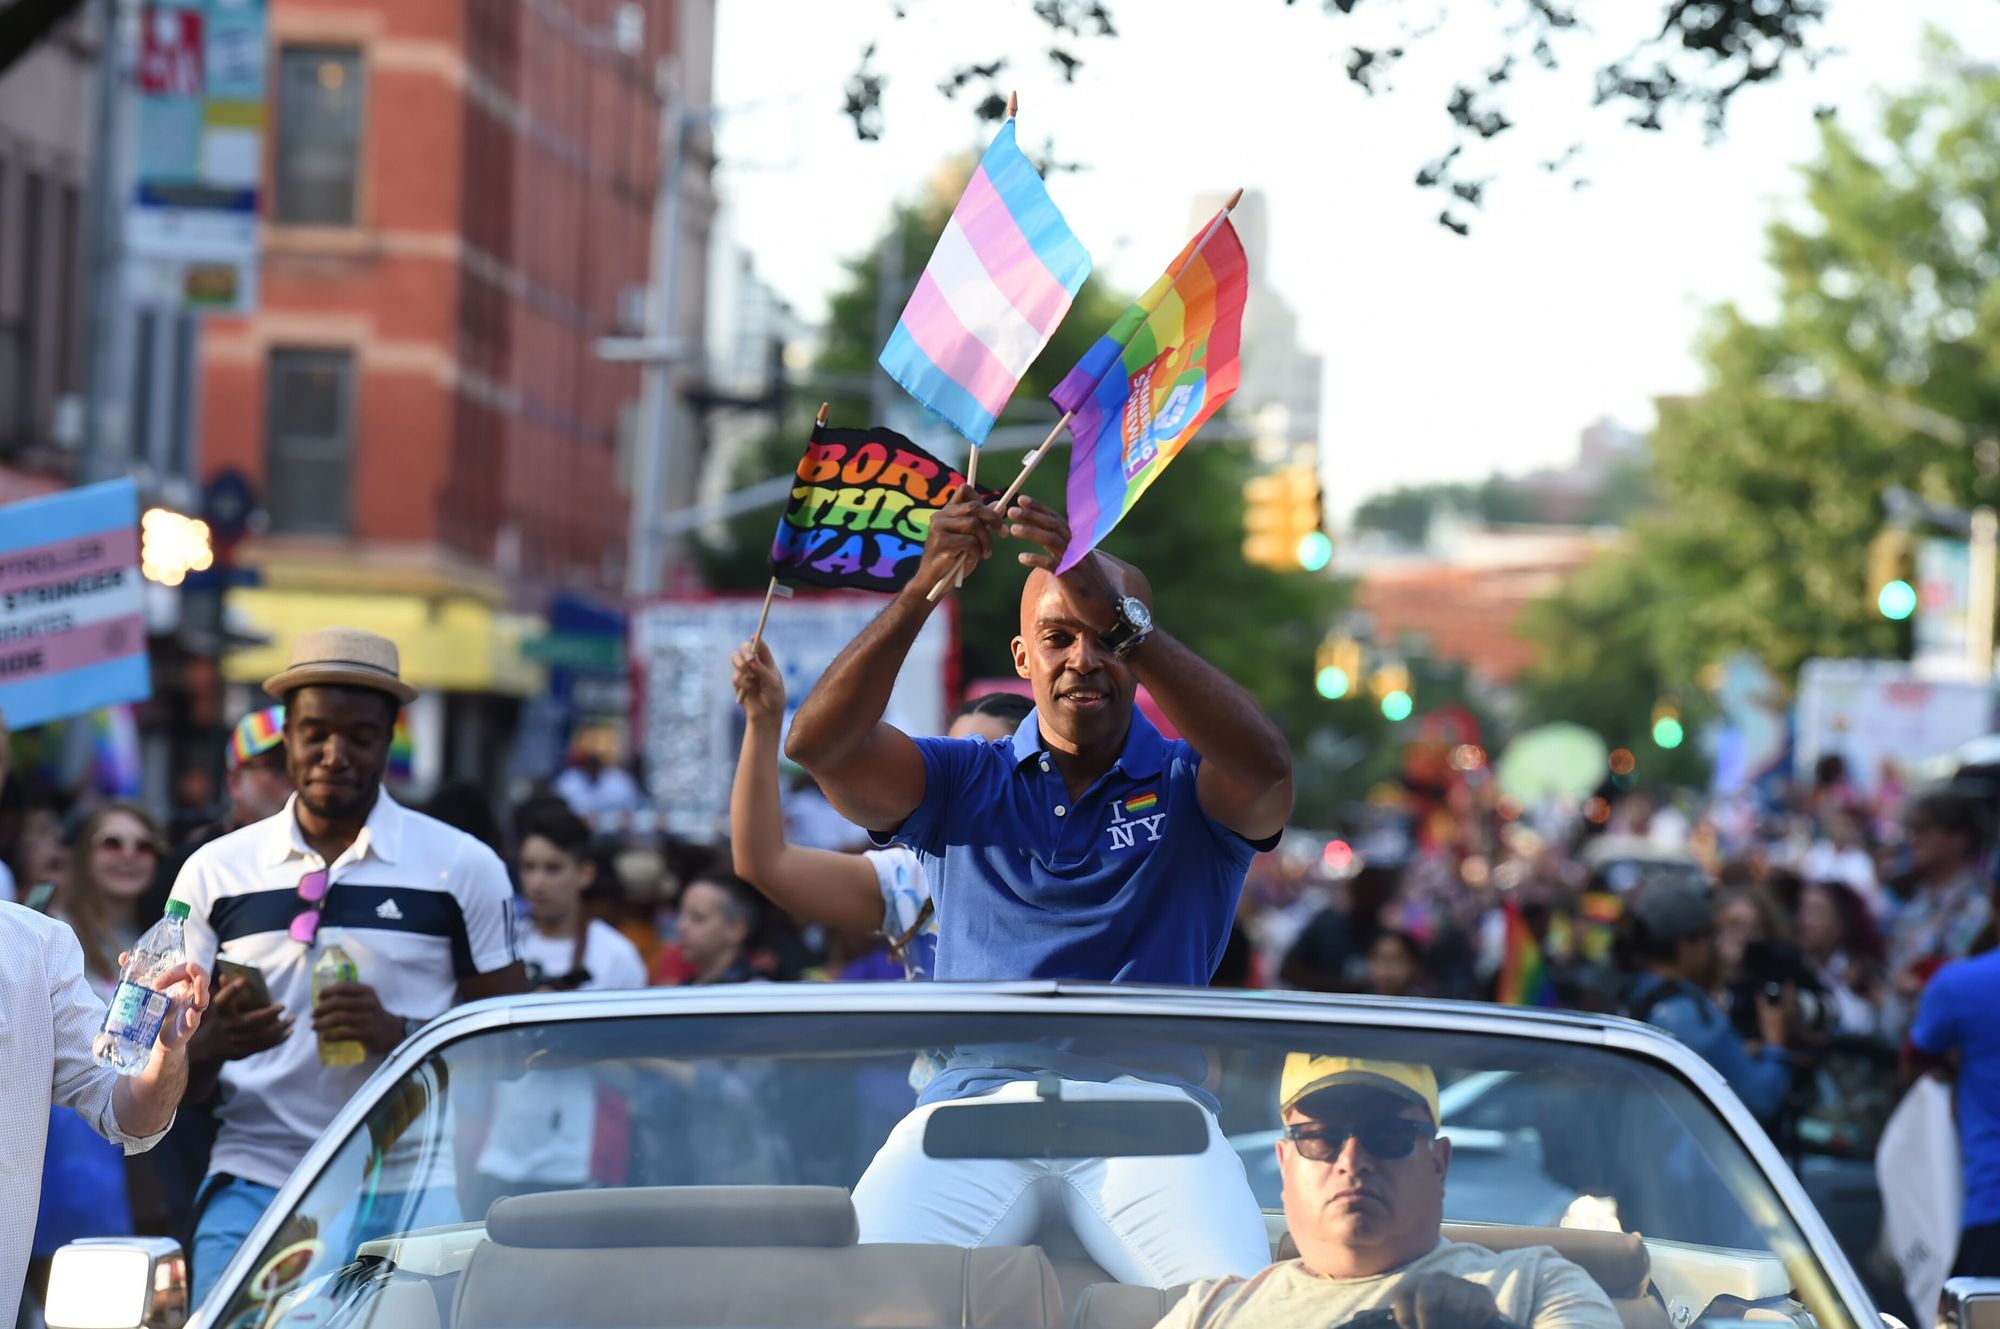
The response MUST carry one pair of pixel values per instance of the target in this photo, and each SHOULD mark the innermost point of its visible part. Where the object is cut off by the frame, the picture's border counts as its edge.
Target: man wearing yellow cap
(1364, 1169)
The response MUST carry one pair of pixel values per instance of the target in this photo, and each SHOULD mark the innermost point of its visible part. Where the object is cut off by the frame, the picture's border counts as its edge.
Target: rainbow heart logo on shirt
(1142, 802)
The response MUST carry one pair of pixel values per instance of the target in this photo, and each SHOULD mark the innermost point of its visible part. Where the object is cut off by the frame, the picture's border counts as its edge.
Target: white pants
(1157, 1222)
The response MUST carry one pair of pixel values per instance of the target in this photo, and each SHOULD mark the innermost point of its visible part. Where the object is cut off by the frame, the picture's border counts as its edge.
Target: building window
(318, 149)
(310, 449)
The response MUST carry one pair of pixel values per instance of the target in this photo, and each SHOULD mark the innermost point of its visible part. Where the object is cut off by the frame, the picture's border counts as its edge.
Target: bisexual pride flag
(1000, 280)
(1138, 396)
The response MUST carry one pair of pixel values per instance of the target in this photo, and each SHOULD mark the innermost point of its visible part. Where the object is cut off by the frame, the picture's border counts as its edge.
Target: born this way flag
(1138, 396)
(999, 282)
(861, 506)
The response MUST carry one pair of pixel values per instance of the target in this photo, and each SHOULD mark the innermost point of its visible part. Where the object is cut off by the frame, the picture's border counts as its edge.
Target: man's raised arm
(870, 771)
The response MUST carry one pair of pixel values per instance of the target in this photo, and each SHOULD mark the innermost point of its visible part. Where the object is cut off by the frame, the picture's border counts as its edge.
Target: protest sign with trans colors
(1138, 396)
(998, 284)
(861, 506)
(72, 607)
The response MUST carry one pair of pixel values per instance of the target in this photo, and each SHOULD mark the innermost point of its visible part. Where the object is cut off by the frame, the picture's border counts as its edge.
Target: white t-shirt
(613, 793)
(419, 905)
(544, 1125)
(906, 889)
(610, 959)
(1535, 1288)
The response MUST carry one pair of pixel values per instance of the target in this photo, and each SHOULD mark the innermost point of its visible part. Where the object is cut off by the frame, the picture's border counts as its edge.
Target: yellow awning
(448, 644)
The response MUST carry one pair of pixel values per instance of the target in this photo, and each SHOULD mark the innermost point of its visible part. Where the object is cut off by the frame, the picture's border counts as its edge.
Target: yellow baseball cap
(1306, 1074)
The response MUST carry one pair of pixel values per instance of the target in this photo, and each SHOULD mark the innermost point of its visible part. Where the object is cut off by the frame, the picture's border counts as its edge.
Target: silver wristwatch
(1131, 628)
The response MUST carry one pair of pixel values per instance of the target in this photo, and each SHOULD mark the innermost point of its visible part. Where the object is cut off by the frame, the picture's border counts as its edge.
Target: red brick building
(1466, 604)
(459, 201)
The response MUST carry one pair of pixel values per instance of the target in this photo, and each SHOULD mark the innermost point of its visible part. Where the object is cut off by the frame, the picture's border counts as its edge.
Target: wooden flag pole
(1028, 465)
(774, 589)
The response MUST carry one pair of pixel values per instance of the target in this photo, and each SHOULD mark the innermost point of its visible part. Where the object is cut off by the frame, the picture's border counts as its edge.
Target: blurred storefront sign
(191, 227)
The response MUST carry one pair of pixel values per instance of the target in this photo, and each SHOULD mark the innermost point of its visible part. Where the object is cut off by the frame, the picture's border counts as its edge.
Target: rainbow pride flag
(1138, 396)
(999, 282)
(402, 750)
(1524, 976)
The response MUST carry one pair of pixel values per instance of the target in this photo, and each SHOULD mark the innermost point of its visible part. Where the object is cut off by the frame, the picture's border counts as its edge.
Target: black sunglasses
(1386, 1138)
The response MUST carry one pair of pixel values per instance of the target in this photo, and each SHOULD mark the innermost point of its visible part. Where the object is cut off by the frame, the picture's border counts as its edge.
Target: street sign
(595, 652)
(227, 503)
(191, 218)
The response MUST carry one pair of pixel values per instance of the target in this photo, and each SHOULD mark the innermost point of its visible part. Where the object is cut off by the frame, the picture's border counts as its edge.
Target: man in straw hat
(424, 911)
(1364, 1167)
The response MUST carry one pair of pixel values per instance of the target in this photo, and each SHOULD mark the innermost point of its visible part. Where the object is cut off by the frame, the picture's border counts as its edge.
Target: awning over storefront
(448, 644)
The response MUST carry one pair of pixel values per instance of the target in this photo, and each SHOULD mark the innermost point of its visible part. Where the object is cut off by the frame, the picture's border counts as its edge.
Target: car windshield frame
(1612, 1033)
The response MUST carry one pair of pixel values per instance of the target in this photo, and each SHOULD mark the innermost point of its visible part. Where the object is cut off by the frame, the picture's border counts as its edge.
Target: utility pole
(1980, 595)
(659, 349)
(106, 421)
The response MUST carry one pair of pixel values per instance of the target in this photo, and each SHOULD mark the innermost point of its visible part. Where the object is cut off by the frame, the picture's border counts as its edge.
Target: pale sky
(1447, 357)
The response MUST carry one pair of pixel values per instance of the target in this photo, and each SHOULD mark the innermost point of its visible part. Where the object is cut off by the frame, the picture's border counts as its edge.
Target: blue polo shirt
(1130, 882)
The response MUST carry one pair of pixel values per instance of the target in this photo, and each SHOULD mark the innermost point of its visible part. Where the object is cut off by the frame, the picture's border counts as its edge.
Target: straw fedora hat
(343, 657)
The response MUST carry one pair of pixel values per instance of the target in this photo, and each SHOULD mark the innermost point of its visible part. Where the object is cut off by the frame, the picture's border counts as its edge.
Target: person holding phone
(425, 912)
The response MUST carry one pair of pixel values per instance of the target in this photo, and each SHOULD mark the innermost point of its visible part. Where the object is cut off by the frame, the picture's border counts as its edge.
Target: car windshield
(582, 1139)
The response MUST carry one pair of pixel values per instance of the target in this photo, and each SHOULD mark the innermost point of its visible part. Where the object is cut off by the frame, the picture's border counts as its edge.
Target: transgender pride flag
(1001, 279)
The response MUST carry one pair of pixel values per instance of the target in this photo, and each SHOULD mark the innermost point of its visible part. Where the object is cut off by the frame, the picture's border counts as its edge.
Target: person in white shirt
(1364, 1168)
(565, 949)
(543, 1130)
(50, 1015)
(425, 912)
(598, 790)
(880, 891)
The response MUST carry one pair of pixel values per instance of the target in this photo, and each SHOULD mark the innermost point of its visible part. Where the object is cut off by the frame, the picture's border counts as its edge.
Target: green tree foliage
(1770, 482)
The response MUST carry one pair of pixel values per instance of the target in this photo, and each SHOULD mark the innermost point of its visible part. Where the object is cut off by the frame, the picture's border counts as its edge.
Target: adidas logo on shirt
(388, 912)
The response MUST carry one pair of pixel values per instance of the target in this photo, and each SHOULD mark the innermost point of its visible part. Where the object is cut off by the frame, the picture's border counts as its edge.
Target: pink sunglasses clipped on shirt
(312, 893)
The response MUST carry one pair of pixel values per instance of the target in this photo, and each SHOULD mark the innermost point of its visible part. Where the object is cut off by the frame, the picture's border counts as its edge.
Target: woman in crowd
(1839, 939)
(565, 949)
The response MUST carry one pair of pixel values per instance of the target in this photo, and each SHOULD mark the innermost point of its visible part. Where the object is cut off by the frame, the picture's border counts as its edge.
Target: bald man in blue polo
(1088, 846)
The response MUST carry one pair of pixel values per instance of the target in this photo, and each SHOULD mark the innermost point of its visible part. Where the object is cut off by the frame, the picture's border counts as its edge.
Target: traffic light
(1891, 568)
(1337, 666)
(1668, 731)
(171, 545)
(1283, 521)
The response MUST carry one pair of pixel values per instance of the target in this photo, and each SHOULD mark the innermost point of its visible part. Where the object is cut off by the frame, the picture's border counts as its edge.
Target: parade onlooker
(463, 806)
(718, 917)
(1672, 938)
(1949, 907)
(1839, 939)
(596, 787)
(564, 949)
(258, 784)
(1745, 916)
(425, 912)
(1843, 855)
(1331, 954)
(881, 892)
(1396, 966)
(52, 1015)
(1955, 1024)
(1089, 846)
(112, 865)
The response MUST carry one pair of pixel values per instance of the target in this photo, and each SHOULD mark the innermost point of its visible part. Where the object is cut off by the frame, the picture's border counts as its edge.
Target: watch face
(1135, 612)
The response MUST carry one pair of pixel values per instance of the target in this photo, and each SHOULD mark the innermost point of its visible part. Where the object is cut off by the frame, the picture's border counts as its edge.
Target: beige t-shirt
(1536, 1288)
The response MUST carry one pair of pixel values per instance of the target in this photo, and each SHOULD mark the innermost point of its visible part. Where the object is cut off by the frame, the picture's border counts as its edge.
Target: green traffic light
(1667, 732)
(1396, 707)
(1332, 682)
(1897, 601)
(1315, 551)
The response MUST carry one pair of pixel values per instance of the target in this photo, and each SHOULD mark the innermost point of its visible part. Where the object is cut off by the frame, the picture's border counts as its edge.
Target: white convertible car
(656, 1159)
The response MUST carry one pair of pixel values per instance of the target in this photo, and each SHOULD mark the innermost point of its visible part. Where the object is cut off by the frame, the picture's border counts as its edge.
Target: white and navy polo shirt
(421, 906)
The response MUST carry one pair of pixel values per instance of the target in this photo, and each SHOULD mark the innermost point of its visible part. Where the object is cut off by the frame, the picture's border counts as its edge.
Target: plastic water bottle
(139, 1007)
(335, 966)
